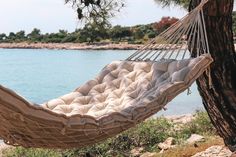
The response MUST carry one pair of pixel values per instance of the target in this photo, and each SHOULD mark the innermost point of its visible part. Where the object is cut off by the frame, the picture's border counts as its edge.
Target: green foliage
(35, 35)
(200, 125)
(3, 36)
(146, 135)
(103, 10)
(119, 33)
(69, 38)
(151, 132)
(20, 36)
(96, 11)
(90, 33)
(151, 34)
(11, 36)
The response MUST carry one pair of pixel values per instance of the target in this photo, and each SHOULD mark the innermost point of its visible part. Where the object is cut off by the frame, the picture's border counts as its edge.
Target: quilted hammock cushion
(121, 96)
(124, 85)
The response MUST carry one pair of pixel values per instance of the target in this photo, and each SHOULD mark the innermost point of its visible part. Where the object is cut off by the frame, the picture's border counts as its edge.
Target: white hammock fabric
(124, 94)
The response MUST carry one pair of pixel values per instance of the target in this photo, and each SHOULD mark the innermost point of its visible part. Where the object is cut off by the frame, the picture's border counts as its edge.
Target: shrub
(201, 124)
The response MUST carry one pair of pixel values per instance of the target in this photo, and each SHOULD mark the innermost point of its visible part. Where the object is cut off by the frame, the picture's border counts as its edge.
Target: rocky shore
(71, 46)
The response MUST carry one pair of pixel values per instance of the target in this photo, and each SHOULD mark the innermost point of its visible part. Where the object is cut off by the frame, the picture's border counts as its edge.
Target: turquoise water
(41, 75)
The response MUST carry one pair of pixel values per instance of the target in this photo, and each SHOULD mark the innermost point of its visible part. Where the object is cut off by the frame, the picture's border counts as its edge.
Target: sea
(41, 74)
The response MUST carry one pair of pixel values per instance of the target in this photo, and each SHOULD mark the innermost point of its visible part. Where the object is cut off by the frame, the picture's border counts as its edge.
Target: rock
(111, 153)
(136, 151)
(215, 151)
(183, 119)
(72, 46)
(148, 154)
(162, 151)
(195, 138)
(4, 147)
(167, 144)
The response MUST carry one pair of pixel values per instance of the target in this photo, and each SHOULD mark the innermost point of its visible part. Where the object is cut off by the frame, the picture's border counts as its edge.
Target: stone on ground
(137, 151)
(3, 147)
(148, 154)
(215, 151)
(195, 138)
(167, 144)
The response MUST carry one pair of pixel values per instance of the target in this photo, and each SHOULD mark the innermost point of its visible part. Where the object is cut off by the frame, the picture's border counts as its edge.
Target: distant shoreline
(71, 46)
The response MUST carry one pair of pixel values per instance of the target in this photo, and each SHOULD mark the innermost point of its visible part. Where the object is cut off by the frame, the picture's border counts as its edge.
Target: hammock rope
(124, 93)
(190, 30)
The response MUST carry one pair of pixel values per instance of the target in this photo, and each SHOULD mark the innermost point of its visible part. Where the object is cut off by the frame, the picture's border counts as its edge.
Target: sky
(52, 15)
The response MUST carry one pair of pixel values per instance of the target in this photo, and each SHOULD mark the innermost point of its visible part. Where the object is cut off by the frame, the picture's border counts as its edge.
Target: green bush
(201, 124)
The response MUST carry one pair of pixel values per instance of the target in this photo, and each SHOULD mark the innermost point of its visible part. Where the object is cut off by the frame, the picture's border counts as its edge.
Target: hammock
(123, 94)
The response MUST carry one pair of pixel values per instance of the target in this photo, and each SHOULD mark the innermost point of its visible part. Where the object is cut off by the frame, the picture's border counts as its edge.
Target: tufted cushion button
(111, 76)
(83, 100)
(157, 73)
(162, 65)
(116, 83)
(80, 109)
(135, 94)
(68, 98)
(179, 75)
(131, 88)
(63, 109)
(100, 98)
(98, 89)
(115, 73)
(113, 65)
(84, 90)
(54, 103)
(97, 107)
(126, 82)
(127, 65)
(116, 94)
(132, 76)
(149, 77)
(143, 66)
(123, 72)
(183, 63)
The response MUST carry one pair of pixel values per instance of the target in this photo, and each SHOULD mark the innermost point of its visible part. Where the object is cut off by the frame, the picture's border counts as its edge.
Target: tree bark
(220, 100)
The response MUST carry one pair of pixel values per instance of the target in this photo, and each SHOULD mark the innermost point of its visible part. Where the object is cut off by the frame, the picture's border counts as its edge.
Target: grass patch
(23, 152)
(147, 135)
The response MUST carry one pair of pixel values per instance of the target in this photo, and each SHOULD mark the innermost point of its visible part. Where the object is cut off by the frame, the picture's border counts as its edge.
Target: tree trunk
(220, 100)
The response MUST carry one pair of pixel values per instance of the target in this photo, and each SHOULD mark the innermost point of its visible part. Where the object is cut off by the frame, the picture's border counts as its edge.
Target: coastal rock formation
(183, 119)
(71, 46)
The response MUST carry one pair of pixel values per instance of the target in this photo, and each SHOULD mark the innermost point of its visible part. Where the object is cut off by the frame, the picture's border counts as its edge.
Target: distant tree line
(93, 32)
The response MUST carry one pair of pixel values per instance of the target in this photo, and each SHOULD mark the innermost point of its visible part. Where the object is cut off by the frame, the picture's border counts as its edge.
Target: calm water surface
(41, 75)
